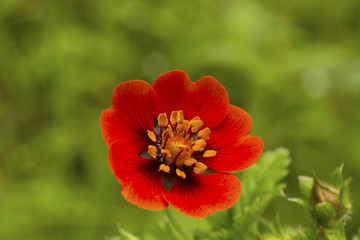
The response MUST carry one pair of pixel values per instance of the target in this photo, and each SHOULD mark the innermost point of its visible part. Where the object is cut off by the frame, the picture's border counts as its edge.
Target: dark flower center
(177, 143)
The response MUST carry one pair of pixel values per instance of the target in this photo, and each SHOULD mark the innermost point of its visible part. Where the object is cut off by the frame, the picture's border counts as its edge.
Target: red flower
(176, 143)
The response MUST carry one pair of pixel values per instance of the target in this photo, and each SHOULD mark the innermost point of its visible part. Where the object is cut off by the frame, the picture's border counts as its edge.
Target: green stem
(177, 225)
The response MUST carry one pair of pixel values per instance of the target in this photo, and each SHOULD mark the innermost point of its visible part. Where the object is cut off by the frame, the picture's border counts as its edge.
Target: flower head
(176, 143)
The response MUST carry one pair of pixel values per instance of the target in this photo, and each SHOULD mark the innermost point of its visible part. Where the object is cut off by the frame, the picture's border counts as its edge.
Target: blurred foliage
(293, 65)
(327, 204)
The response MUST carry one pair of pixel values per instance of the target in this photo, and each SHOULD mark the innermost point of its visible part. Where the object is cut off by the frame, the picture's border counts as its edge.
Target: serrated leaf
(244, 221)
(262, 178)
(271, 231)
(259, 186)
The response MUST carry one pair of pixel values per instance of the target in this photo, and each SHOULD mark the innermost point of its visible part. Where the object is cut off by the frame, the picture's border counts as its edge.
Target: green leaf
(336, 177)
(259, 186)
(244, 221)
(264, 227)
(344, 201)
(262, 178)
(306, 184)
(301, 203)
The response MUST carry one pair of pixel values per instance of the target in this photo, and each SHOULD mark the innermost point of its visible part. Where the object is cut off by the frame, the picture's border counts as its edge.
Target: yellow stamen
(178, 144)
(209, 153)
(164, 168)
(174, 117)
(182, 127)
(166, 152)
(191, 161)
(199, 168)
(180, 117)
(162, 120)
(151, 135)
(152, 151)
(196, 125)
(199, 145)
(185, 148)
(180, 173)
(204, 134)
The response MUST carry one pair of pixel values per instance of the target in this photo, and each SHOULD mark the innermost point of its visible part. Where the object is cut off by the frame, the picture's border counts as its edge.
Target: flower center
(177, 143)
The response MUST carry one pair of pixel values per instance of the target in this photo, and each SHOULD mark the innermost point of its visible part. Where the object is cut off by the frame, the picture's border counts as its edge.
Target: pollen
(164, 168)
(151, 135)
(209, 153)
(152, 151)
(178, 142)
(196, 125)
(174, 117)
(199, 145)
(190, 162)
(199, 168)
(180, 173)
(204, 134)
(162, 120)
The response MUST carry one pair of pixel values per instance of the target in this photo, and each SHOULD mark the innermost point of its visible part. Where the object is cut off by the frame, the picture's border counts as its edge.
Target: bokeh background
(293, 65)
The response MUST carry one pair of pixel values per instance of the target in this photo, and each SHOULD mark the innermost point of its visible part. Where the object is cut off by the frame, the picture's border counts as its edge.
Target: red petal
(136, 105)
(139, 177)
(236, 157)
(206, 99)
(113, 129)
(236, 125)
(209, 101)
(199, 196)
(173, 90)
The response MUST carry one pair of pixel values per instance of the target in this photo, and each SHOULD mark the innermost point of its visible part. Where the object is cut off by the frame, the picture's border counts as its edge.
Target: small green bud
(330, 204)
(323, 192)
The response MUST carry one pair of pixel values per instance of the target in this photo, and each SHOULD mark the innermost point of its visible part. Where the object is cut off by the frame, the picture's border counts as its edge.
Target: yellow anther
(162, 120)
(151, 135)
(180, 117)
(209, 153)
(204, 134)
(199, 145)
(152, 151)
(183, 126)
(164, 168)
(174, 117)
(190, 161)
(180, 173)
(196, 125)
(166, 152)
(199, 168)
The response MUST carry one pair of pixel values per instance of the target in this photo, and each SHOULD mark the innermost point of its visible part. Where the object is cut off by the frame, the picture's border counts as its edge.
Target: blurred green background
(293, 65)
